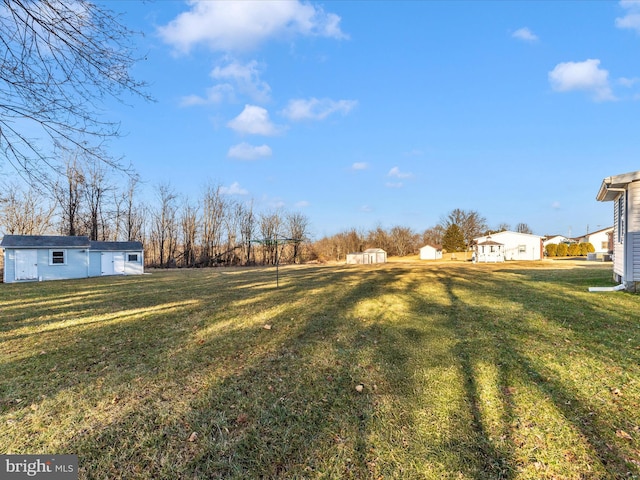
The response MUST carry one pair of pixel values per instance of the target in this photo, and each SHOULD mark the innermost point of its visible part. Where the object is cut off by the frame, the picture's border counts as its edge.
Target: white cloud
(366, 208)
(628, 82)
(234, 189)
(555, 205)
(316, 109)
(301, 204)
(360, 166)
(632, 19)
(394, 184)
(235, 26)
(213, 95)
(238, 78)
(245, 151)
(254, 120)
(525, 34)
(245, 78)
(395, 172)
(586, 76)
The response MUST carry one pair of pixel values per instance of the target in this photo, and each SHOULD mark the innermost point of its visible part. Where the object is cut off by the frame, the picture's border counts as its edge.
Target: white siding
(633, 207)
(618, 246)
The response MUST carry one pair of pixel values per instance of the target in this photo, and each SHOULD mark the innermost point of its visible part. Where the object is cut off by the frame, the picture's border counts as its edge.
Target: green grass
(510, 371)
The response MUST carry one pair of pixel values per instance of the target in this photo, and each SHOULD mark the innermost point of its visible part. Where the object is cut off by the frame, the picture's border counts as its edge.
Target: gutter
(617, 288)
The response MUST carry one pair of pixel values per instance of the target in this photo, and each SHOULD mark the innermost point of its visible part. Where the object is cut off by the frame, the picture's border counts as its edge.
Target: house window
(57, 257)
(604, 245)
(132, 257)
(522, 248)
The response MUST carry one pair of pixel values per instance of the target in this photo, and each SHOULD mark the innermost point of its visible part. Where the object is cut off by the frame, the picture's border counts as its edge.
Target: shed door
(112, 263)
(118, 263)
(26, 264)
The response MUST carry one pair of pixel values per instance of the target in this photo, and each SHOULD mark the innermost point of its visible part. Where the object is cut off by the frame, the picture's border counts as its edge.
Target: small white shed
(430, 252)
(369, 256)
(624, 191)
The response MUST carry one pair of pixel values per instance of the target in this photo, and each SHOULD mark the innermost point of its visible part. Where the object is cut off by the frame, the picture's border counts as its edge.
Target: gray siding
(75, 266)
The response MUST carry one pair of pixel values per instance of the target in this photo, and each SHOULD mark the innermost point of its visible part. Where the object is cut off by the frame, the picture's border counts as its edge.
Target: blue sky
(360, 113)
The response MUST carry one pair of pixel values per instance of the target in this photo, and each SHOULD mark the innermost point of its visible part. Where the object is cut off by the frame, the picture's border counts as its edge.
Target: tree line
(176, 231)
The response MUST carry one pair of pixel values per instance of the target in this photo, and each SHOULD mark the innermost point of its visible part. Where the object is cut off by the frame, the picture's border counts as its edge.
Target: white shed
(624, 191)
(369, 256)
(514, 246)
(430, 252)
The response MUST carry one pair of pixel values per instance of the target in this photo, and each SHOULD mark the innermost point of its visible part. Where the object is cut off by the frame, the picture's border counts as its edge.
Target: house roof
(53, 241)
(611, 186)
(506, 232)
(490, 242)
(44, 241)
(374, 250)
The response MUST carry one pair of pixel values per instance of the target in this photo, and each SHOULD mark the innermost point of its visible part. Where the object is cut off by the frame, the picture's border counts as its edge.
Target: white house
(624, 191)
(44, 257)
(508, 245)
(370, 255)
(430, 252)
(555, 239)
(601, 240)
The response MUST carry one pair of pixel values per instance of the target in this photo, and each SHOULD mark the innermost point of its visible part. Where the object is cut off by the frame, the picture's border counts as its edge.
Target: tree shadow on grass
(282, 403)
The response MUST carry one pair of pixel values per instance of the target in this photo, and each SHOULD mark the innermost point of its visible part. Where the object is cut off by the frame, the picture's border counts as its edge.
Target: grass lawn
(511, 371)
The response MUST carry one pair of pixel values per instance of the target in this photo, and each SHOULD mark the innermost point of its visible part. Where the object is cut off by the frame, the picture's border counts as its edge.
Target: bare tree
(402, 240)
(270, 225)
(247, 230)
(297, 230)
(213, 212)
(523, 228)
(133, 215)
(470, 223)
(60, 59)
(189, 225)
(96, 189)
(69, 193)
(25, 212)
(433, 236)
(164, 230)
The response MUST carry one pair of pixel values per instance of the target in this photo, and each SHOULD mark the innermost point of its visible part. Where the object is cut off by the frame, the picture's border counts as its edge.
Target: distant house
(602, 240)
(555, 239)
(624, 191)
(508, 245)
(369, 256)
(43, 257)
(431, 252)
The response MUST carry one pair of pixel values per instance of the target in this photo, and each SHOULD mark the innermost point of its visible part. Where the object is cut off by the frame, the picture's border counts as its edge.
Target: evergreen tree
(453, 240)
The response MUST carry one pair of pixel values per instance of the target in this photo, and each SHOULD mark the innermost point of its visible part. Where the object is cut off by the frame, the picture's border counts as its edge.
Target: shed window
(522, 248)
(57, 257)
(132, 257)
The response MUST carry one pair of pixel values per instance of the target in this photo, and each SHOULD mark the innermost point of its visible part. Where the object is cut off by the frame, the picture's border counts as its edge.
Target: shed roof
(610, 187)
(44, 241)
(374, 250)
(116, 246)
(59, 241)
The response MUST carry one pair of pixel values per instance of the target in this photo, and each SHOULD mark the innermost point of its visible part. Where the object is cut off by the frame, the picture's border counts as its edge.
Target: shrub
(586, 247)
(562, 250)
(551, 249)
(573, 250)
